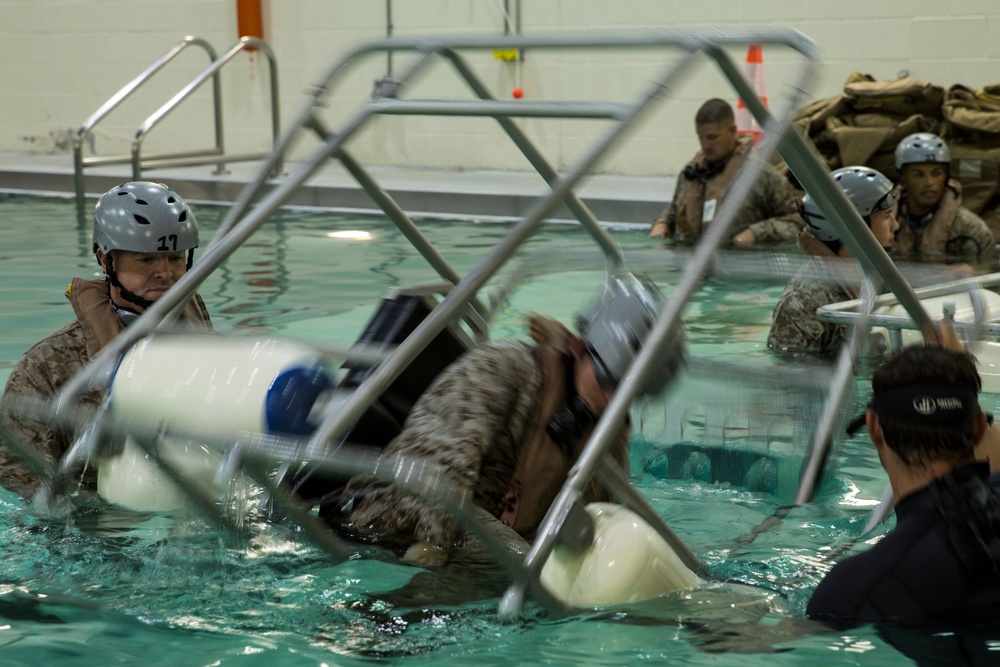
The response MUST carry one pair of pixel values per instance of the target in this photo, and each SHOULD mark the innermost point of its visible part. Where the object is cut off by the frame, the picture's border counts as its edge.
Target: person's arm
(35, 380)
(775, 211)
(666, 223)
(452, 426)
(794, 325)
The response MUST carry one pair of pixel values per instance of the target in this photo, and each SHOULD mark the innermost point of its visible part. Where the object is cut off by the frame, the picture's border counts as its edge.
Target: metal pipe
(843, 380)
(336, 424)
(213, 72)
(541, 165)
(84, 130)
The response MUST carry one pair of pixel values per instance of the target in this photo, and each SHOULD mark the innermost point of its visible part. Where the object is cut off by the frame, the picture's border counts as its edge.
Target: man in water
(933, 224)
(943, 556)
(769, 216)
(507, 421)
(144, 239)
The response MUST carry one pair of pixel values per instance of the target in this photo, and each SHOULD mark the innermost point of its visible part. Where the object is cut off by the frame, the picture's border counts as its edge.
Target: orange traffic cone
(754, 72)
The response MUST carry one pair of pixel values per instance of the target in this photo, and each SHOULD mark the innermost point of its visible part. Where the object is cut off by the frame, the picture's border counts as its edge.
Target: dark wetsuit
(942, 558)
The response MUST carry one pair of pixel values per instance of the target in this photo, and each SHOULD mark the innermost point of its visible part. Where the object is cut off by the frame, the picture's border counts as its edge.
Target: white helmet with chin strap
(616, 325)
(867, 189)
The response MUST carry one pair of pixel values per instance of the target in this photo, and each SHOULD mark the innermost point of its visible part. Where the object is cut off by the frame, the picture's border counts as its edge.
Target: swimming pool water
(117, 588)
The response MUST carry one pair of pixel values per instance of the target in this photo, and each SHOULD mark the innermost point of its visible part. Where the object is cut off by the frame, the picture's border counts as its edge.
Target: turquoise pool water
(117, 588)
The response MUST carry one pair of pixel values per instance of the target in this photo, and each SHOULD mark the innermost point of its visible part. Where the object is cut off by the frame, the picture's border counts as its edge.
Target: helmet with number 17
(144, 217)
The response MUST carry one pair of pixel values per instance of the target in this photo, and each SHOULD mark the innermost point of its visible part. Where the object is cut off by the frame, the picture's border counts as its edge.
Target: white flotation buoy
(207, 386)
(627, 562)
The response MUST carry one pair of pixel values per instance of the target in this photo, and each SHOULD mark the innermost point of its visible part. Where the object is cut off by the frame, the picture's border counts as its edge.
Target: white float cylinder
(627, 562)
(209, 387)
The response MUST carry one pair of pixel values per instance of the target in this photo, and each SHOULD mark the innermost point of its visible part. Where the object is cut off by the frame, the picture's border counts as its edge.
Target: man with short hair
(932, 221)
(943, 556)
(144, 238)
(770, 214)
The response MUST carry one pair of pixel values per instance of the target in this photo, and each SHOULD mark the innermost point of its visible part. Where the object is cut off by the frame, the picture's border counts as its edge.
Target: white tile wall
(60, 59)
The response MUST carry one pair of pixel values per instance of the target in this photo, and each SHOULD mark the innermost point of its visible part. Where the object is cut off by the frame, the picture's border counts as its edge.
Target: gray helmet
(143, 217)
(922, 147)
(617, 324)
(867, 189)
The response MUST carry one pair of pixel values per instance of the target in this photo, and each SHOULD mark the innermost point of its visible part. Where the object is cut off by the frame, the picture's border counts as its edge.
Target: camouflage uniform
(480, 421)
(951, 230)
(49, 365)
(771, 211)
(794, 325)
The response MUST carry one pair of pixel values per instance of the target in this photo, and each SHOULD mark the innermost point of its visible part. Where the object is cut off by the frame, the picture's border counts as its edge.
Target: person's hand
(961, 271)
(659, 230)
(744, 239)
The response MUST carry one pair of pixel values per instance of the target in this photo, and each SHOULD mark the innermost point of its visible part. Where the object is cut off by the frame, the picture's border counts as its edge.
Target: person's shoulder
(967, 217)
(68, 337)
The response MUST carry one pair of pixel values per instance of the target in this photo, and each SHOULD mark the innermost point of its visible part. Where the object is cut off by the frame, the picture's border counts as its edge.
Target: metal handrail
(243, 44)
(206, 156)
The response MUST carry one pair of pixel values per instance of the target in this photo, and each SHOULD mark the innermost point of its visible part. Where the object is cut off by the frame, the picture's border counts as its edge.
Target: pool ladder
(216, 154)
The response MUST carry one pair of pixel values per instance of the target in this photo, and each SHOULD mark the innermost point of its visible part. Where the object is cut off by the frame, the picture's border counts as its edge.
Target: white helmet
(144, 217)
(867, 189)
(617, 324)
(922, 147)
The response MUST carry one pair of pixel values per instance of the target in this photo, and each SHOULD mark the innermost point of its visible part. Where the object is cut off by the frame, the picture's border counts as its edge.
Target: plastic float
(201, 388)
(627, 561)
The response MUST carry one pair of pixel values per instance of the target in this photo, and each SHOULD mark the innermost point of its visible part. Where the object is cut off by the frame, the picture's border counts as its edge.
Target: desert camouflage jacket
(822, 280)
(478, 422)
(771, 212)
(952, 230)
(48, 365)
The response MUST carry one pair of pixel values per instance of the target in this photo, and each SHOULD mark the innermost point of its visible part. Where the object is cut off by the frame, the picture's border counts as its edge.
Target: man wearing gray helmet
(822, 280)
(507, 421)
(932, 222)
(144, 239)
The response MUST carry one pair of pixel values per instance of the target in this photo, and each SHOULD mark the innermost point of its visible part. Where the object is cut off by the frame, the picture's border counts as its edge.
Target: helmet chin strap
(112, 277)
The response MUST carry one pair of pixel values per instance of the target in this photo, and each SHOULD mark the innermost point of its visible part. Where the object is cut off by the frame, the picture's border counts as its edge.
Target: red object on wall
(249, 19)
(753, 69)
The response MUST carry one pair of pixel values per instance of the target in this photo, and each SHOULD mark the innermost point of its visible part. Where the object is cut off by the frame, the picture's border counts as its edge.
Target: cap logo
(924, 405)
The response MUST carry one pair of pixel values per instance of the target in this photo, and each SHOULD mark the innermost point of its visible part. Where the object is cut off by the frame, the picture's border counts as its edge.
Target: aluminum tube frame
(657, 342)
(402, 222)
(541, 165)
(335, 425)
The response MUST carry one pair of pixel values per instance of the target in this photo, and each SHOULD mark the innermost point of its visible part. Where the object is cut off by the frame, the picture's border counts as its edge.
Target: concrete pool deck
(468, 194)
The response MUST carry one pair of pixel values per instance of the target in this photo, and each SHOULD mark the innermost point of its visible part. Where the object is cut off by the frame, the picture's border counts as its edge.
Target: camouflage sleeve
(773, 214)
(483, 400)
(666, 223)
(969, 235)
(794, 325)
(35, 380)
